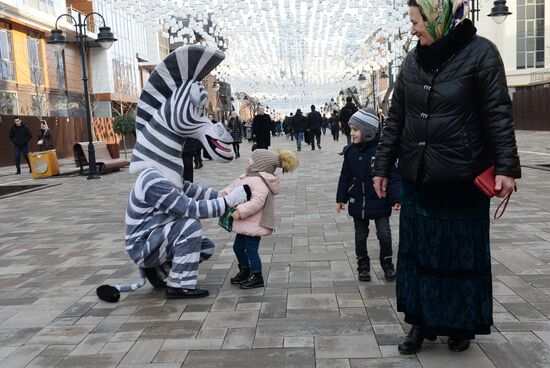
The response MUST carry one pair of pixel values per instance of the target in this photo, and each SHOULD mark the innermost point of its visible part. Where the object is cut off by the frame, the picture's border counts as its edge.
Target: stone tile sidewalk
(58, 244)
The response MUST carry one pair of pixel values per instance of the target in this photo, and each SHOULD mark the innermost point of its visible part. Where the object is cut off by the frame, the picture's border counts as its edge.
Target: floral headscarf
(440, 16)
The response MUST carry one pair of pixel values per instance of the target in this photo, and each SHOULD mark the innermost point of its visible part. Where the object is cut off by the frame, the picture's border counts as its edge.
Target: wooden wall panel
(73, 69)
(531, 108)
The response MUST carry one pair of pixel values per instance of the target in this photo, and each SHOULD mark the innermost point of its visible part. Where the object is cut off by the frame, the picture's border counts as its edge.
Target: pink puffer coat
(251, 211)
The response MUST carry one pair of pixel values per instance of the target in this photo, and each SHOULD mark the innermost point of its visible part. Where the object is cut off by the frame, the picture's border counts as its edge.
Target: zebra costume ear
(168, 112)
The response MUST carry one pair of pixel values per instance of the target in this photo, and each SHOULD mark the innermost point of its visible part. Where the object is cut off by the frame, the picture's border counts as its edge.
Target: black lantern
(499, 11)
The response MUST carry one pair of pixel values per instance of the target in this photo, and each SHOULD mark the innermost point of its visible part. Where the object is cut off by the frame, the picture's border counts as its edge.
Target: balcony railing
(90, 27)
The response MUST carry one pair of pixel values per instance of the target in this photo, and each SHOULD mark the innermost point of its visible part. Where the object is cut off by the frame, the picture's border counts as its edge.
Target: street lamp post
(105, 38)
(499, 12)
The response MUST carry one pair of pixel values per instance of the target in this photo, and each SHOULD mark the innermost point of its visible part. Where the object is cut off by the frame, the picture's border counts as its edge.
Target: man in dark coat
(20, 135)
(334, 125)
(345, 114)
(261, 129)
(314, 122)
(299, 124)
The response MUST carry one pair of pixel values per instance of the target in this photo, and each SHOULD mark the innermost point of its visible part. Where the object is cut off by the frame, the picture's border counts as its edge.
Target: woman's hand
(380, 186)
(504, 185)
(340, 207)
(396, 207)
(236, 215)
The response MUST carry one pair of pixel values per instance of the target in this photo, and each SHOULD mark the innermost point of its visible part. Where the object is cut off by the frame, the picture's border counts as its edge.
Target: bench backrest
(80, 150)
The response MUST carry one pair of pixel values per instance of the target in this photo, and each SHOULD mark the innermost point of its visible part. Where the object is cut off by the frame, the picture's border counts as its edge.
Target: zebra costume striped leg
(163, 229)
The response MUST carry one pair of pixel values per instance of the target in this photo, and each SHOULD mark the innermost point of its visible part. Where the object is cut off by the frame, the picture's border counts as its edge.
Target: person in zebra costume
(163, 230)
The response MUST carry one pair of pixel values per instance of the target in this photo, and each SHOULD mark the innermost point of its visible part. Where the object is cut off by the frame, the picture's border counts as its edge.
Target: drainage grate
(13, 190)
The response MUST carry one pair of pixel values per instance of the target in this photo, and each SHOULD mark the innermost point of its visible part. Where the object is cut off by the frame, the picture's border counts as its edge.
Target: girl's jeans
(246, 250)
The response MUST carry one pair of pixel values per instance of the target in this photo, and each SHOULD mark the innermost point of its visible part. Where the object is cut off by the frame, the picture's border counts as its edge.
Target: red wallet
(486, 183)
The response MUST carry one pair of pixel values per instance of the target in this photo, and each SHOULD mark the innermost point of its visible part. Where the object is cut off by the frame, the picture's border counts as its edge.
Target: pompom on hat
(267, 161)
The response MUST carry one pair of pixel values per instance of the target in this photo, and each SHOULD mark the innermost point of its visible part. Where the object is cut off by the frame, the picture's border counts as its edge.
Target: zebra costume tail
(111, 294)
(155, 275)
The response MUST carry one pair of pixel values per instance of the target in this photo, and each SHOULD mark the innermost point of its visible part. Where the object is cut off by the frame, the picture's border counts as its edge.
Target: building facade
(117, 74)
(38, 80)
(523, 39)
(35, 79)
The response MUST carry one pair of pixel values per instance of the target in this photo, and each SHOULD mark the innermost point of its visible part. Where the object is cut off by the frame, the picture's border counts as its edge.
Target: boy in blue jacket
(356, 187)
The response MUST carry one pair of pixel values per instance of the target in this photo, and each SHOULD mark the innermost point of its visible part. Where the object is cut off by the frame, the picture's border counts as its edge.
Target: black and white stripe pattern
(169, 111)
(163, 230)
(162, 224)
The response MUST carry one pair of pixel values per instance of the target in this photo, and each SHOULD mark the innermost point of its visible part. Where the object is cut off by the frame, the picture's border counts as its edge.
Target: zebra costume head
(169, 110)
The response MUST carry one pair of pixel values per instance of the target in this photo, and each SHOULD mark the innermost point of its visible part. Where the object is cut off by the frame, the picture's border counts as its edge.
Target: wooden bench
(105, 163)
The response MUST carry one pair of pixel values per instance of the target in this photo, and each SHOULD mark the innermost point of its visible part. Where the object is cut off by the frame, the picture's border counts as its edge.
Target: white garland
(287, 53)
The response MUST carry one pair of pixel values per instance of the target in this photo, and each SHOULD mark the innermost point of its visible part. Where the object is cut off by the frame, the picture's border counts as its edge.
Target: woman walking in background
(45, 137)
(453, 124)
(235, 127)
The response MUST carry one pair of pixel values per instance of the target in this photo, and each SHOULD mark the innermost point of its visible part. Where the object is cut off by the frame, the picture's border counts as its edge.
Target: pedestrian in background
(356, 187)
(450, 119)
(314, 122)
(248, 130)
(45, 137)
(20, 135)
(324, 124)
(299, 124)
(345, 114)
(334, 125)
(191, 151)
(261, 129)
(235, 128)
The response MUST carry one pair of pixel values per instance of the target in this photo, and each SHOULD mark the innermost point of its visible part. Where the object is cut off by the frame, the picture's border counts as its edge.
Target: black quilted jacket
(450, 116)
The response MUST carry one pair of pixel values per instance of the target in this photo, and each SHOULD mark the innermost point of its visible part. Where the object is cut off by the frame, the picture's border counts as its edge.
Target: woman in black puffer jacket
(450, 119)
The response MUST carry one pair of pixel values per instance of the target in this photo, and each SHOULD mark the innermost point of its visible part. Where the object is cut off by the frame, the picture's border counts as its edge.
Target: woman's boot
(413, 341)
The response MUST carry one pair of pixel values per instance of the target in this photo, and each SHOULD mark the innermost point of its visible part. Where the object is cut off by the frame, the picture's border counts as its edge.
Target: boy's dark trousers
(383, 233)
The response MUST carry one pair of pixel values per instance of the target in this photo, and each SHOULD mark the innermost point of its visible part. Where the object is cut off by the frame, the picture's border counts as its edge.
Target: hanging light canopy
(274, 51)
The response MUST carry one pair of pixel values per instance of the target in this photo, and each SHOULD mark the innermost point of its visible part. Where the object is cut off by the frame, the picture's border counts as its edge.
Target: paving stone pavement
(58, 244)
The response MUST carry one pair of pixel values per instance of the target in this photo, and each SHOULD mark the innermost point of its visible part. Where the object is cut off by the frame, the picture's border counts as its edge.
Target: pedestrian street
(58, 244)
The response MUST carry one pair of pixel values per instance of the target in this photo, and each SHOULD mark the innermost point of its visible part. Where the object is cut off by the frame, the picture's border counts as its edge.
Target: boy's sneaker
(388, 268)
(241, 276)
(363, 268)
(254, 281)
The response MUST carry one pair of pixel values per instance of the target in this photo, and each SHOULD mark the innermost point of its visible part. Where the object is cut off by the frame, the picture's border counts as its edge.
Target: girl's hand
(396, 207)
(236, 215)
(340, 207)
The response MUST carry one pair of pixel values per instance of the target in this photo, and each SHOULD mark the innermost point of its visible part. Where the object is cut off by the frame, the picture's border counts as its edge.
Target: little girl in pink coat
(256, 218)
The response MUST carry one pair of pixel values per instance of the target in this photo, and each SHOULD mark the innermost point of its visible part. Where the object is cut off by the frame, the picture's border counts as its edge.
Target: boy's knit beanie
(366, 120)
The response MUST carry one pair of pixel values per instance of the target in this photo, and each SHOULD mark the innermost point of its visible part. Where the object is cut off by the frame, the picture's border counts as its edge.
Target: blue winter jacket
(356, 186)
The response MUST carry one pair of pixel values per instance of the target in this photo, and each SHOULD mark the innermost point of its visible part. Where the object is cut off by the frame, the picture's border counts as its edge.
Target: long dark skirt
(444, 263)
